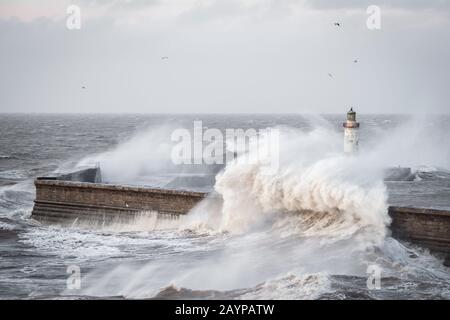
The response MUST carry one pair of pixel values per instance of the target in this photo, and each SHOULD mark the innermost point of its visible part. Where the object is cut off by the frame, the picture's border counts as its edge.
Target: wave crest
(324, 192)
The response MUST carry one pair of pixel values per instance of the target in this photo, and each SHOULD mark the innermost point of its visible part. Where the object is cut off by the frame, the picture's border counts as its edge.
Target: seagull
(355, 61)
(330, 75)
(337, 24)
(165, 57)
(83, 87)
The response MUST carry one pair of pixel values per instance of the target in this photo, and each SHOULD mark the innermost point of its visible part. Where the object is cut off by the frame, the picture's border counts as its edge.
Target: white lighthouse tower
(351, 138)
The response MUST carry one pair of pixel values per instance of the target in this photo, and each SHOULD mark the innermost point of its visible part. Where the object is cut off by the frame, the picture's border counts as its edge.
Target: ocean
(311, 231)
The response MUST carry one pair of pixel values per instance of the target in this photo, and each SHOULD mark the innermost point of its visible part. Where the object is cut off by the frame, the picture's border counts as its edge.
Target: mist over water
(147, 152)
(306, 231)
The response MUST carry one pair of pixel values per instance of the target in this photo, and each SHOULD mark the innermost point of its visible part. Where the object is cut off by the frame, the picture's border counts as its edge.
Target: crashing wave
(324, 192)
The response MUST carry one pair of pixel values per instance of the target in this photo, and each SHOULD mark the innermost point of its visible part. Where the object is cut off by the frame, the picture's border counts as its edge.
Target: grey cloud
(270, 65)
(234, 8)
(363, 4)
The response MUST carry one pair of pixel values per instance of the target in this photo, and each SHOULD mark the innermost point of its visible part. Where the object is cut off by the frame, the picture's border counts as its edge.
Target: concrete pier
(64, 200)
(429, 228)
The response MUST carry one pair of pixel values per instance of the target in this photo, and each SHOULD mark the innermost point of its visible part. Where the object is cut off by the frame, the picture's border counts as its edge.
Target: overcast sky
(225, 56)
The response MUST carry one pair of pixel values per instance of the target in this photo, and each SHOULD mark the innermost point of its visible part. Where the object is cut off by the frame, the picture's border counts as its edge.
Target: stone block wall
(60, 201)
(427, 227)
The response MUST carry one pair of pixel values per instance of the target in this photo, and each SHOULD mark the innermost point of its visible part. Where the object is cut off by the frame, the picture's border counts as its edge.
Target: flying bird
(330, 75)
(355, 61)
(165, 57)
(83, 87)
(337, 24)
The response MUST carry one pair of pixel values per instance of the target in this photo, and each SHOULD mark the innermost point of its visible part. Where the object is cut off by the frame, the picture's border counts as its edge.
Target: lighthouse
(351, 138)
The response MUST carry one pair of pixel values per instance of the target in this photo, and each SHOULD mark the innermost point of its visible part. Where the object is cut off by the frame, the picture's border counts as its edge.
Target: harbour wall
(429, 228)
(63, 202)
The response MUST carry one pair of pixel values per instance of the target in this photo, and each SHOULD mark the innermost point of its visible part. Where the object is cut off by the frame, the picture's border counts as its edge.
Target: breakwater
(82, 197)
(64, 202)
(429, 228)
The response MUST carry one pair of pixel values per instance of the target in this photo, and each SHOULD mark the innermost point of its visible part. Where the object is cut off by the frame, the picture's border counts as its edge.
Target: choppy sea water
(279, 254)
